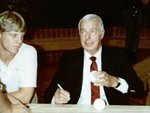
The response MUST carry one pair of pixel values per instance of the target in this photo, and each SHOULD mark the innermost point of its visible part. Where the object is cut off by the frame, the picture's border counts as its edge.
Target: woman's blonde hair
(11, 21)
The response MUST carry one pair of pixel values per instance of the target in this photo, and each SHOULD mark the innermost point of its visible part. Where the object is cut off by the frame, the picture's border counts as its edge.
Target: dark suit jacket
(114, 62)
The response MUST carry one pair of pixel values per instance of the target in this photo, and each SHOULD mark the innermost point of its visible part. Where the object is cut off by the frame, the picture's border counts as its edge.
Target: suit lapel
(77, 67)
(105, 58)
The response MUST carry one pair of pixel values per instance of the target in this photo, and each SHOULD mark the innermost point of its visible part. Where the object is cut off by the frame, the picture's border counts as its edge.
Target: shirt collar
(97, 55)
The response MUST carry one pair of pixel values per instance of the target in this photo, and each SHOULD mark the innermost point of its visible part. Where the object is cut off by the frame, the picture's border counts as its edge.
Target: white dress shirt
(85, 96)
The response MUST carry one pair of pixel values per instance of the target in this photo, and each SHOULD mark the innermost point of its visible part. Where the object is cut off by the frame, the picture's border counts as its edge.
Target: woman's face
(11, 41)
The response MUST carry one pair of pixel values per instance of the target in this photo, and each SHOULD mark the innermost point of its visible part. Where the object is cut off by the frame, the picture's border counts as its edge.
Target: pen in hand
(60, 86)
(68, 96)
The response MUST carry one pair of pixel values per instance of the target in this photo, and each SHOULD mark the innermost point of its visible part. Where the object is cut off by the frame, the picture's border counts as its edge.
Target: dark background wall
(66, 13)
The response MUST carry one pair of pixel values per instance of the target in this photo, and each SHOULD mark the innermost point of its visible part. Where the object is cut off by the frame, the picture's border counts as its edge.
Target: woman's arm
(5, 104)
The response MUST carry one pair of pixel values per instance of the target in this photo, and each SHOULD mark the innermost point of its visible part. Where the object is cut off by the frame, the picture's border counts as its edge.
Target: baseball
(92, 76)
(99, 104)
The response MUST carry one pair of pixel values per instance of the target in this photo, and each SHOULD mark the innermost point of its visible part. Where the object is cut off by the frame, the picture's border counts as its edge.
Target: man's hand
(104, 79)
(61, 96)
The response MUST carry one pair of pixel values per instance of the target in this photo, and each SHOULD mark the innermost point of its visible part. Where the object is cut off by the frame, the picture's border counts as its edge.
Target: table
(49, 108)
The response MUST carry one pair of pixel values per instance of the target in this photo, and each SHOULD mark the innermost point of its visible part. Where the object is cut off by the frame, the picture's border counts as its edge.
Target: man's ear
(102, 34)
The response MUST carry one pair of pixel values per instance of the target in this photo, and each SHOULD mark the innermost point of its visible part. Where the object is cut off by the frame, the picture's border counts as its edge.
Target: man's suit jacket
(114, 62)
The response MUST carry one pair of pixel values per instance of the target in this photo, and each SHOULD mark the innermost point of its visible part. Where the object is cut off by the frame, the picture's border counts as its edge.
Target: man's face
(11, 41)
(90, 36)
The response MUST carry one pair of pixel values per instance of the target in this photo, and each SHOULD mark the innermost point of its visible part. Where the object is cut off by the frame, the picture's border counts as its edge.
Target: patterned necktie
(94, 89)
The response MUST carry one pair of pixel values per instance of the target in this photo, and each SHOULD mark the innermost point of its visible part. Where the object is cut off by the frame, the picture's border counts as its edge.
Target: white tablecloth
(49, 108)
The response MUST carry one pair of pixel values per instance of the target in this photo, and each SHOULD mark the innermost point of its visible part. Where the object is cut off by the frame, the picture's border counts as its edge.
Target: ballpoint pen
(60, 86)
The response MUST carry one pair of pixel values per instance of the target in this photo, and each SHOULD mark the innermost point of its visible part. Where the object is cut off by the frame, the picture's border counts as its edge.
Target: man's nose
(87, 36)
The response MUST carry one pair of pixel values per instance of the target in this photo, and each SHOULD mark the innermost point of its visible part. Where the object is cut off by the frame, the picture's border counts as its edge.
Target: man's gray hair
(90, 17)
